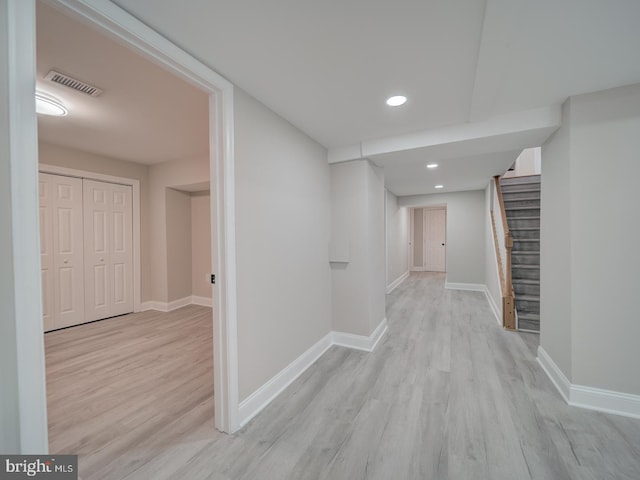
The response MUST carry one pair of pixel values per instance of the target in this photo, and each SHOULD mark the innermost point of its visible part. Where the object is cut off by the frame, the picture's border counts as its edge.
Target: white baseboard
(175, 304)
(559, 379)
(474, 287)
(393, 285)
(258, 400)
(360, 342)
(608, 401)
(202, 301)
(494, 308)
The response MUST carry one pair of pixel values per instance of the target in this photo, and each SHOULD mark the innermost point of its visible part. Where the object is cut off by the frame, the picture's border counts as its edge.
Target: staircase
(522, 205)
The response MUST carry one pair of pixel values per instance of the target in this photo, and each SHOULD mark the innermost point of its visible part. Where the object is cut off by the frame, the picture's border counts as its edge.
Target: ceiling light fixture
(439, 186)
(49, 105)
(396, 100)
(432, 165)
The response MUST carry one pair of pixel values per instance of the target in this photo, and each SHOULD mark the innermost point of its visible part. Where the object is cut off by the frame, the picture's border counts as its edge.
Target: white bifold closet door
(61, 251)
(108, 247)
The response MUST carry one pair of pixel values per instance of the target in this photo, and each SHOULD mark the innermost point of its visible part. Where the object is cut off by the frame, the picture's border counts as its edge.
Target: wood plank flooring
(446, 395)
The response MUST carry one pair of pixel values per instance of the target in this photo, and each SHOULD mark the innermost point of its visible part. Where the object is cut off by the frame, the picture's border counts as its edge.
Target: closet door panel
(121, 249)
(108, 249)
(45, 187)
(68, 251)
(61, 250)
(96, 250)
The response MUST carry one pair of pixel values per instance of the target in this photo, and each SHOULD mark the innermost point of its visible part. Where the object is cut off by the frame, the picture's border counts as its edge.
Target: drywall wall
(201, 244)
(589, 237)
(69, 158)
(492, 275)
(177, 175)
(357, 221)
(397, 238)
(527, 163)
(465, 232)
(282, 236)
(605, 235)
(349, 230)
(179, 258)
(555, 246)
(376, 264)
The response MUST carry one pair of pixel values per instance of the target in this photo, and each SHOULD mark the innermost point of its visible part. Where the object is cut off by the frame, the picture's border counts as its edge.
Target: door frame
(424, 223)
(424, 208)
(31, 424)
(135, 186)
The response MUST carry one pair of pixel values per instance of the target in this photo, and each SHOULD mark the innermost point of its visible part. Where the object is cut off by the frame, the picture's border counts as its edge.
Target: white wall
(201, 244)
(605, 238)
(527, 163)
(466, 232)
(492, 275)
(174, 174)
(357, 221)
(376, 275)
(555, 246)
(397, 238)
(282, 236)
(179, 256)
(591, 170)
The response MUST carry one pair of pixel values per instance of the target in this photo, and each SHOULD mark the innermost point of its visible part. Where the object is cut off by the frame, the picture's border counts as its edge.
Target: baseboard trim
(396, 283)
(360, 342)
(559, 379)
(473, 287)
(166, 307)
(264, 395)
(599, 399)
(259, 399)
(494, 307)
(202, 301)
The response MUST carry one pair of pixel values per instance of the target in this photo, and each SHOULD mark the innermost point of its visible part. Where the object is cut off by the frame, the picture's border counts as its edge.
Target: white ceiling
(145, 115)
(466, 66)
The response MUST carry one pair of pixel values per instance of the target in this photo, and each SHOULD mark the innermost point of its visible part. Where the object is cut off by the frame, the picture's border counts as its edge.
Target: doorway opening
(117, 24)
(428, 239)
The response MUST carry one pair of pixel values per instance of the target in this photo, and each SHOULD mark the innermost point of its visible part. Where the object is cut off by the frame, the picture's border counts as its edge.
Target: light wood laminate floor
(446, 395)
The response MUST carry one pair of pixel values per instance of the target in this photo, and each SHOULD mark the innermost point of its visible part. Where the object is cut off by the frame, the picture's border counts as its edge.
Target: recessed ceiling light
(396, 101)
(439, 186)
(432, 165)
(49, 105)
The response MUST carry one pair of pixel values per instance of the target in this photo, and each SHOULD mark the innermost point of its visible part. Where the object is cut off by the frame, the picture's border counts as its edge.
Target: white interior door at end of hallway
(435, 222)
(108, 238)
(61, 250)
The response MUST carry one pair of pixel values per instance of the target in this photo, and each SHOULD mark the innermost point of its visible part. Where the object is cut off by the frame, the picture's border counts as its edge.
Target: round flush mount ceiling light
(396, 100)
(432, 165)
(49, 105)
(439, 186)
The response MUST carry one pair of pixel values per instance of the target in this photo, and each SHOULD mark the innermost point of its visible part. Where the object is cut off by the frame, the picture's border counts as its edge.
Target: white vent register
(73, 83)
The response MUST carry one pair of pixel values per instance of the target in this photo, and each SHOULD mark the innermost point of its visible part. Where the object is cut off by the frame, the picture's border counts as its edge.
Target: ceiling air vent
(70, 82)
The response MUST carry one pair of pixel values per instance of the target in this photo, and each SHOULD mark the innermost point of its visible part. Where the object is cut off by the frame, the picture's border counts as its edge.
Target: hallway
(447, 394)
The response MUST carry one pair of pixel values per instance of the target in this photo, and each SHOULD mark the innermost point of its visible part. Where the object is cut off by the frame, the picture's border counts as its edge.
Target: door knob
(66, 261)
(443, 244)
(102, 259)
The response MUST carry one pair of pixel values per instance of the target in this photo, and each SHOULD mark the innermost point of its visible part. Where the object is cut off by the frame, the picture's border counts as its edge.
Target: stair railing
(503, 241)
